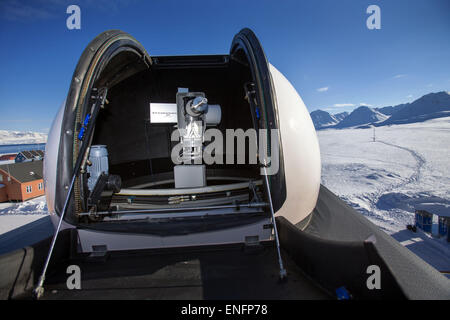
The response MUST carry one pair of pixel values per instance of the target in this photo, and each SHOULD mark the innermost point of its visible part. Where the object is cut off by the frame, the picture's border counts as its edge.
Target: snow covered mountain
(17, 137)
(323, 119)
(430, 106)
(360, 116)
(390, 109)
(340, 116)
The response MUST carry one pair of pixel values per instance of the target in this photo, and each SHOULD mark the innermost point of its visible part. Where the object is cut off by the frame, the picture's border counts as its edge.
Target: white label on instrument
(163, 113)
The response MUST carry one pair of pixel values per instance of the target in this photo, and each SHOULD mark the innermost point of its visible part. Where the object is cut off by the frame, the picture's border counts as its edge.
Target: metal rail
(164, 210)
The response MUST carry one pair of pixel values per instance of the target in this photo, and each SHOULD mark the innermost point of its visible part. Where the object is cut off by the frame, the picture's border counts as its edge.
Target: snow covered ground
(408, 166)
(14, 215)
(22, 224)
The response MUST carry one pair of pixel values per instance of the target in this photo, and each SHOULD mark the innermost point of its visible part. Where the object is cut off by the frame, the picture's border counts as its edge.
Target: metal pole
(250, 95)
(39, 290)
(98, 104)
(283, 272)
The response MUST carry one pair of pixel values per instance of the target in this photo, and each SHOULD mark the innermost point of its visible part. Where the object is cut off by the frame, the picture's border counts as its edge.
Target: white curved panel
(301, 151)
(51, 158)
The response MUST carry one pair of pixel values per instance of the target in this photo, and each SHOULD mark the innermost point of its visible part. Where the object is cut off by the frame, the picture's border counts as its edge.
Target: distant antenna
(374, 134)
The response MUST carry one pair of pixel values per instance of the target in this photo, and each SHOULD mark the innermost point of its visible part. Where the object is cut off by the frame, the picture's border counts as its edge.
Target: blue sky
(323, 47)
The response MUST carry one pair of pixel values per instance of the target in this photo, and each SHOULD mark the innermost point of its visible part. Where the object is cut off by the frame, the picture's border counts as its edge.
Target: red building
(21, 181)
(6, 157)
